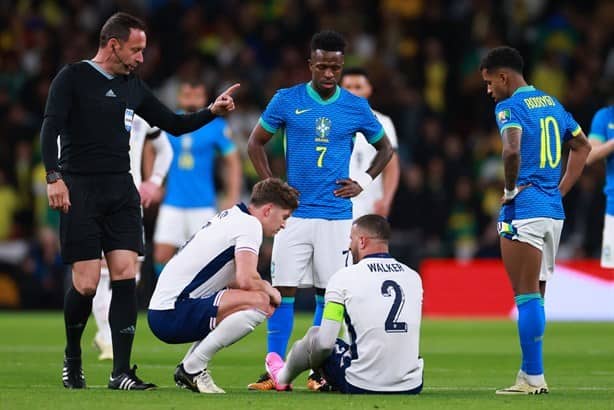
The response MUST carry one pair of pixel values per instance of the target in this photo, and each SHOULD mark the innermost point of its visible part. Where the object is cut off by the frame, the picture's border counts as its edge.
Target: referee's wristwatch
(53, 176)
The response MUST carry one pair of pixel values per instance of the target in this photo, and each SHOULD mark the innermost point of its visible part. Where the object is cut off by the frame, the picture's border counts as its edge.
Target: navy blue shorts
(190, 321)
(334, 368)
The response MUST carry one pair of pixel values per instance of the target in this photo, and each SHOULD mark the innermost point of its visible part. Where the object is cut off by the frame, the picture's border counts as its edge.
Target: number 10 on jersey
(546, 145)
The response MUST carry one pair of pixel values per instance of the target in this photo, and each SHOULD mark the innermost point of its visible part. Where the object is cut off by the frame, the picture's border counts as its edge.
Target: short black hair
(354, 71)
(118, 26)
(376, 225)
(503, 57)
(328, 40)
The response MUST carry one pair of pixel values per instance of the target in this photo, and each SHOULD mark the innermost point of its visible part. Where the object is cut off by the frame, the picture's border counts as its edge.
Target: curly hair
(328, 40)
(503, 57)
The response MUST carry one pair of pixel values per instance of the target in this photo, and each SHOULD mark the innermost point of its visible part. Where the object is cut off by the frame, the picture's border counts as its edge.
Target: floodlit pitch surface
(465, 362)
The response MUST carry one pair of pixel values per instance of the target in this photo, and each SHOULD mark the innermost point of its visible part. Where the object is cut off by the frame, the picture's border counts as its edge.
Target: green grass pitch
(465, 362)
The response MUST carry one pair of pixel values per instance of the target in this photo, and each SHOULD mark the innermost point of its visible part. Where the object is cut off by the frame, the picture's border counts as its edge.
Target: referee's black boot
(129, 381)
(72, 374)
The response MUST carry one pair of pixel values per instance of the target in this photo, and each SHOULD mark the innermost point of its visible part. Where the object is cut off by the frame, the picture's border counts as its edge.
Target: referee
(91, 105)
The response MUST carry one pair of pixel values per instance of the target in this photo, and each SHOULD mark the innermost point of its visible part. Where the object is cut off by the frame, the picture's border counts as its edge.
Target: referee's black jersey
(92, 111)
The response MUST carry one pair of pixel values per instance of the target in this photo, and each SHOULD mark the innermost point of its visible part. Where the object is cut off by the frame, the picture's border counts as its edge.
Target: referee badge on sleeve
(128, 117)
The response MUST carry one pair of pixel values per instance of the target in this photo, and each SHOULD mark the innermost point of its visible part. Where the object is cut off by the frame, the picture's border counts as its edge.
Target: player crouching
(210, 292)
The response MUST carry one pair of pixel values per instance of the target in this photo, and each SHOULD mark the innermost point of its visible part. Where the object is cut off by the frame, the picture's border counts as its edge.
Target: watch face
(53, 177)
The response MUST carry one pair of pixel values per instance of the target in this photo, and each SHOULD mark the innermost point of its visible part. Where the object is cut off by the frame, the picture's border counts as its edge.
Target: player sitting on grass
(210, 292)
(381, 301)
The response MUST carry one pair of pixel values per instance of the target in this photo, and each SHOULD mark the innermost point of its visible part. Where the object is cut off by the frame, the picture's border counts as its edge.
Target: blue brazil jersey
(319, 139)
(545, 126)
(602, 129)
(190, 180)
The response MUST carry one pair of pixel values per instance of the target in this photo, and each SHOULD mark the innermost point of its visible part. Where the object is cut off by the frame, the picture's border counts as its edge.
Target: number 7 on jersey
(322, 151)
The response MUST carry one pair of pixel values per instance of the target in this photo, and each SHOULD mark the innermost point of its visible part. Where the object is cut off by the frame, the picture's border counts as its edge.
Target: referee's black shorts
(105, 215)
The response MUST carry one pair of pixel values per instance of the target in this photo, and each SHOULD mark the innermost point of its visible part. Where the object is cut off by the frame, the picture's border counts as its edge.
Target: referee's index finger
(231, 89)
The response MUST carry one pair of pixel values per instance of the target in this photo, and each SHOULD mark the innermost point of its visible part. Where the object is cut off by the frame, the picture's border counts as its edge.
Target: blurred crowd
(422, 57)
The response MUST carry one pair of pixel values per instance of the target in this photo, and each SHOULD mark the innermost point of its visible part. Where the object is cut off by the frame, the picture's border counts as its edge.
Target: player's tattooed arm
(580, 148)
(511, 163)
(511, 156)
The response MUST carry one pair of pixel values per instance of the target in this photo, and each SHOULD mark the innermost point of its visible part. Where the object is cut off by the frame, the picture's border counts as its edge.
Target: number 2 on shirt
(390, 287)
(322, 151)
(546, 149)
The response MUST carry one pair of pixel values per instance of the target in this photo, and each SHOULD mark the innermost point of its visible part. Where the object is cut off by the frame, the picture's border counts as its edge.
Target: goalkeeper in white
(380, 300)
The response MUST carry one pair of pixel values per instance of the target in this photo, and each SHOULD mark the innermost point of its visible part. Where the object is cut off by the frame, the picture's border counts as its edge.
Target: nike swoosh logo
(299, 112)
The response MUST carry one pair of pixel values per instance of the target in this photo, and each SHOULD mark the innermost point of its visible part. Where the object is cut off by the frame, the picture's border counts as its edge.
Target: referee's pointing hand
(224, 103)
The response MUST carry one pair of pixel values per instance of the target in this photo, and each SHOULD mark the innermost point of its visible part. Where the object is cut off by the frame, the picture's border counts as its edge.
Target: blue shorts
(190, 321)
(334, 368)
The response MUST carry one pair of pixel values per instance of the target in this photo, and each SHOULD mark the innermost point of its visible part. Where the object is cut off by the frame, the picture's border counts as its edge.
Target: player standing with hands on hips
(320, 120)
(533, 127)
(91, 105)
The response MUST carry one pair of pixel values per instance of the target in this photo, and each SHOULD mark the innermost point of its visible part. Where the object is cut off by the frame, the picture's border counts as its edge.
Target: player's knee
(318, 352)
(85, 287)
(312, 331)
(85, 282)
(311, 336)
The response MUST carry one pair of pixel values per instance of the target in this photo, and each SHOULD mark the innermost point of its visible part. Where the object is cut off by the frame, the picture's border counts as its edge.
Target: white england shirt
(206, 262)
(362, 155)
(138, 133)
(383, 311)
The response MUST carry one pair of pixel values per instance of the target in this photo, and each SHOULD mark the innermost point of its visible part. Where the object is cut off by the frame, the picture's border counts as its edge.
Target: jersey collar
(243, 207)
(524, 89)
(100, 70)
(378, 255)
(316, 97)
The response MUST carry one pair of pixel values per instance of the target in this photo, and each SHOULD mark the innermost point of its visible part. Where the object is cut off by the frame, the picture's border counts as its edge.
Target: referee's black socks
(77, 309)
(122, 319)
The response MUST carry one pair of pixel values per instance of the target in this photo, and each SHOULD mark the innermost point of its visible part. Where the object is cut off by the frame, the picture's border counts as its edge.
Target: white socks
(297, 360)
(533, 379)
(100, 307)
(307, 353)
(231, 329)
